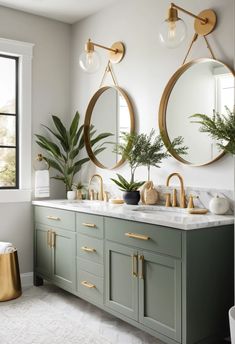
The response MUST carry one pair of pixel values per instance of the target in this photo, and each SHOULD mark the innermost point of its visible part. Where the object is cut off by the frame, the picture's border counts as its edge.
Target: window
(9, 166)
(15, 120)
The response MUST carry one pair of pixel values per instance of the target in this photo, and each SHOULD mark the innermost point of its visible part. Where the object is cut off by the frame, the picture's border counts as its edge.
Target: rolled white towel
(9, 249)
(5, 247)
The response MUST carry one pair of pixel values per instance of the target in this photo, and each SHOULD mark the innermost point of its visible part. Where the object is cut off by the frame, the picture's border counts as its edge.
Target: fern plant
(65, 150)
(220, 127)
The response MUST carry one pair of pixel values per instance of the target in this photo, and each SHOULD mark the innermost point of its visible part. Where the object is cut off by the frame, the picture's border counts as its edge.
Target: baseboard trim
(26, 279)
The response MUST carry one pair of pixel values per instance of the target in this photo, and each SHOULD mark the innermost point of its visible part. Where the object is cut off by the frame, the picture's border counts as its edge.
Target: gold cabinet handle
(134, 265)
(49, 239)
(53, 239)
(88, 249)
(87, 284)
(55, 218)
(91, 225)
(137, 236)
(141, 270)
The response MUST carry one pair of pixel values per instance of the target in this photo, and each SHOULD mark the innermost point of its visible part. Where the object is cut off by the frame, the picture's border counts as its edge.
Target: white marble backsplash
(204, 195)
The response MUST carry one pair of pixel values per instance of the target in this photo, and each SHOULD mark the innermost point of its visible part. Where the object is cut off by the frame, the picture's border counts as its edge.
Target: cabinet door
(64, 259)
(42, 261)
(121, 281)
(160, 293)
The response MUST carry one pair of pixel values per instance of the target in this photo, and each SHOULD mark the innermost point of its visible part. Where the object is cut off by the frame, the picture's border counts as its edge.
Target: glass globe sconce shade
(89, 61)
(172, 33)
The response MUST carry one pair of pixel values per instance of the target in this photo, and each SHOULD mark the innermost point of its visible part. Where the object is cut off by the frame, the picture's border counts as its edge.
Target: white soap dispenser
(218, 205)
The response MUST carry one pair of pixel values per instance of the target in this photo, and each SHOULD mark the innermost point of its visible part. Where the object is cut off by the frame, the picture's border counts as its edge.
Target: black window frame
(16, 115)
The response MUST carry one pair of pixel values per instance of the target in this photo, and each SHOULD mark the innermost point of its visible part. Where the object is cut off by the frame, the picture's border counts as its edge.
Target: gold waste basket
(10, 284)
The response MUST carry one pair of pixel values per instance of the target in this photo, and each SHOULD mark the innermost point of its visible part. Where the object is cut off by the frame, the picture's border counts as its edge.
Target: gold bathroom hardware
(87, 284)
(182, 191)
(190, 202)
(141, 273)
(40, 158)
(134, 259)
(174, 198)
(53, 239)
(55, 218)
(173, 29)
(49, 238)
(90, 225)
(101, 191)
(137, 236)
(168, 200)
(88, 249)
(116, 51)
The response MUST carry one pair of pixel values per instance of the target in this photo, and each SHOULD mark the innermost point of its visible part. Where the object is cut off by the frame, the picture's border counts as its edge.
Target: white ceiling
(68, 11)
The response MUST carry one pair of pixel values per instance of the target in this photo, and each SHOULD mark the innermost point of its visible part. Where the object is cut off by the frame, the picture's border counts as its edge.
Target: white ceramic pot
(232, 324)
(219, 205)
(71, 195)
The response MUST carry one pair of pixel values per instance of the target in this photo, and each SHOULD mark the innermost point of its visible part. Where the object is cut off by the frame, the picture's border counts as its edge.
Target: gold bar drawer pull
(137, 236)
(87, 284)
(55, 218)
(88, 249)
(91, 225)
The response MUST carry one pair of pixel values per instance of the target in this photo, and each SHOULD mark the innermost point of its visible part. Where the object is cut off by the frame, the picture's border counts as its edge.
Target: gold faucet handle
(168, 200)
(190, 202)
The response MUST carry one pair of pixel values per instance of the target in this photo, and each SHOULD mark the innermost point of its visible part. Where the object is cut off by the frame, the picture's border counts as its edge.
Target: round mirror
(109, 113)
(198, 87)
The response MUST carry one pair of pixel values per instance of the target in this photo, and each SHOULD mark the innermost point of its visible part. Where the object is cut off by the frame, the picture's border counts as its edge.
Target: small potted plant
(79, 187)
(131, 194)
(142, 150)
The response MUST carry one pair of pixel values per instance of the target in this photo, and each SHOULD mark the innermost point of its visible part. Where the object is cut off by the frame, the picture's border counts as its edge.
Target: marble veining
(150, 214)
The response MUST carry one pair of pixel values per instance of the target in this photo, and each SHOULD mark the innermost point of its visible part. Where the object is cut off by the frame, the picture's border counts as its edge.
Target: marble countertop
(158, 215)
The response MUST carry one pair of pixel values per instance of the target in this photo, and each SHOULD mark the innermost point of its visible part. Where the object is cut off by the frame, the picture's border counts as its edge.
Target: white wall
(147, 67)
(50, 94)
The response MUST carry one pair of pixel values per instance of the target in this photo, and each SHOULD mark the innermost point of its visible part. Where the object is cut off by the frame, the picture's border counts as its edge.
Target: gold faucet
(182, 191)
(101, 192)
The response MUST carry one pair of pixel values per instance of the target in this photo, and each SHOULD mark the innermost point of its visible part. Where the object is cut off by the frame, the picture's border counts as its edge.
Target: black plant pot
(131, 197)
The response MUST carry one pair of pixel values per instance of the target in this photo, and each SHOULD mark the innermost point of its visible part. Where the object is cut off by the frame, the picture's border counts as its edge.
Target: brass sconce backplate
(116, 57)
(204, 29)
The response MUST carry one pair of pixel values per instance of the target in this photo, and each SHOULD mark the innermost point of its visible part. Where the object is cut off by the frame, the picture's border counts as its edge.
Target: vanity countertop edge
(167, 219)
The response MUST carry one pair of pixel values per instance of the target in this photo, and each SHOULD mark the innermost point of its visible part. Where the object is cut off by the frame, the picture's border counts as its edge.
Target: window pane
(7, 85)
(7, 167)
(7, 130)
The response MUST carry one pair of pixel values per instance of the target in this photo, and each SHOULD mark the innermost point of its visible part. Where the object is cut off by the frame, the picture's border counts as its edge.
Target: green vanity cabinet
(141, 284)
(55, 247)
(121, 283)
(43, 253)
(160, 293)
(90, 257)
(175, 284)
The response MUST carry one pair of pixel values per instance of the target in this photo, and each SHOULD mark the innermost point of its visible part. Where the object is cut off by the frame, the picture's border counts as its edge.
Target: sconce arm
(204, 20)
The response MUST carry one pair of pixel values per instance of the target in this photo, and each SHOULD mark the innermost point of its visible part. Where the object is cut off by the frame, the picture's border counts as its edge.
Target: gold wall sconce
(89, 60)
(173, 29)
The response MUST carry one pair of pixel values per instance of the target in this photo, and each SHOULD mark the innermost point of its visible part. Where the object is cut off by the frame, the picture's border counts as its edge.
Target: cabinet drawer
(55, 217)
(90, 248)
(90, 225)
(90, 286)
(89, 266)
(150, 237)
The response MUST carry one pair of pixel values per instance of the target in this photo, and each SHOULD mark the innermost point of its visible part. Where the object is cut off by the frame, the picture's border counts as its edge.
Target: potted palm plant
(64, 148)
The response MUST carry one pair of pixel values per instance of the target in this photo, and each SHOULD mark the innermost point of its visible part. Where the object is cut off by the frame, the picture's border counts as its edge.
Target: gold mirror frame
(163, 108)
(87, 123)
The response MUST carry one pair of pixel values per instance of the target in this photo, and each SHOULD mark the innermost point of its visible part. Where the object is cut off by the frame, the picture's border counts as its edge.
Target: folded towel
(6, 247)
(42, 183)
